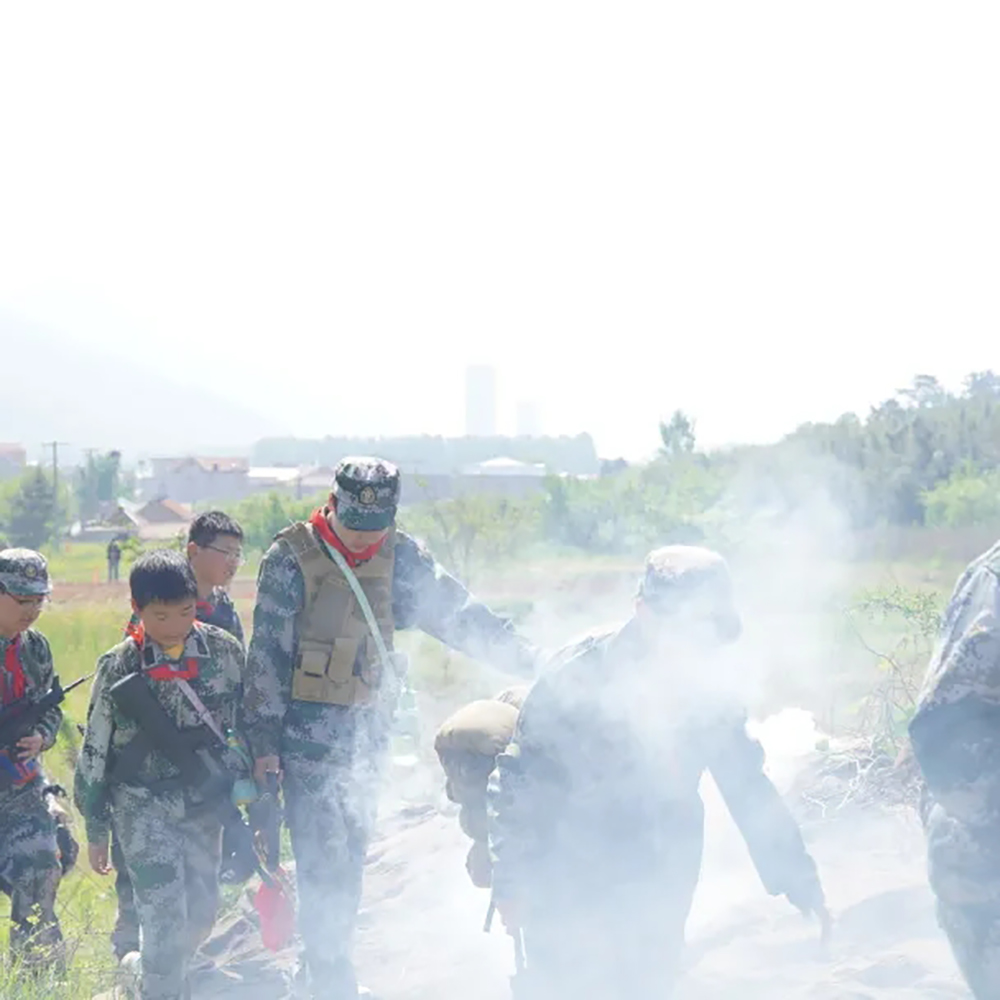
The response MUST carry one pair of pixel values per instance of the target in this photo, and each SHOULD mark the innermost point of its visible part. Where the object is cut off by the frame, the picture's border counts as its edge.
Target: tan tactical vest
(338, 661)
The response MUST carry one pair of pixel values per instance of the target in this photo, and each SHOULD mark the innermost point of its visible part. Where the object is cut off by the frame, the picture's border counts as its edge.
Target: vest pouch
(325, 673)
(309, 678)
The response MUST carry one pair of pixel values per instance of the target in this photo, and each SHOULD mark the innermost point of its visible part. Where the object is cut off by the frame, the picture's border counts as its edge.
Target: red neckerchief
(354, 559)
(13, 673)
(163, 671)
(205, 609)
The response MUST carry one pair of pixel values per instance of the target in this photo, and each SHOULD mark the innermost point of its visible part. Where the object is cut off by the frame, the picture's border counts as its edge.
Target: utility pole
(55, 446)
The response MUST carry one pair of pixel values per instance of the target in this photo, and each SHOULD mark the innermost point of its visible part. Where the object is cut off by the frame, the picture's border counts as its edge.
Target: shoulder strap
(199, 707)
(363, 603)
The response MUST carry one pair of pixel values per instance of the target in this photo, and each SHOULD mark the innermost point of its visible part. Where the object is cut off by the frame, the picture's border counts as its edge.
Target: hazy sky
(763, 213)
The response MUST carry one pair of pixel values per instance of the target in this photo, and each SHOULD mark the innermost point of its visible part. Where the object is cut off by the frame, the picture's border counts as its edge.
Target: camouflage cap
(24, 572)
(367, 492)
(678, 576)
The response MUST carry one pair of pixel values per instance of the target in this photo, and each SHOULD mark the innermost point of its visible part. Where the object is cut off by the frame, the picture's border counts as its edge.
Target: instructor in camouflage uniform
(320, 692)
(29, 855)
(955, 735)
(595, 817)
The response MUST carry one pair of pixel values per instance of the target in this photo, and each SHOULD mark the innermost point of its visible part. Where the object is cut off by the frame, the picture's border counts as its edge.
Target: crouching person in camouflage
(322, 683)
(955, 734)
(29, 849)
(595, 817)
(171, 840)
(467, 744)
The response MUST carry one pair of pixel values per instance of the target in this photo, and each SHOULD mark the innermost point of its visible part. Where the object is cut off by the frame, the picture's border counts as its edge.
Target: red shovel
(274, 900)
(274, 904)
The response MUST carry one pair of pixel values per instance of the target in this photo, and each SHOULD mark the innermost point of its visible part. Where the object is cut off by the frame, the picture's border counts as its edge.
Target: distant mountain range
(54, 389)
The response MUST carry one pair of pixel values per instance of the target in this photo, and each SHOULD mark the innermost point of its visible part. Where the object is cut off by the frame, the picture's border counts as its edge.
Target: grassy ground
(554, 599)
(78, 633)
(85, 563)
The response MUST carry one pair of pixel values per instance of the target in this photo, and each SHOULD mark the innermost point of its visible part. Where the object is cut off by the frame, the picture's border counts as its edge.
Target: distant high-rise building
(480, 401)
(529, 423)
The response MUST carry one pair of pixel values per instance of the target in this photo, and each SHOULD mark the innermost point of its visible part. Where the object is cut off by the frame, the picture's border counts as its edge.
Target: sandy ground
(421, 936)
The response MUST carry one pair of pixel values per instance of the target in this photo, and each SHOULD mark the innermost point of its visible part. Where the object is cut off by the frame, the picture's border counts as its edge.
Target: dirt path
(421, 938)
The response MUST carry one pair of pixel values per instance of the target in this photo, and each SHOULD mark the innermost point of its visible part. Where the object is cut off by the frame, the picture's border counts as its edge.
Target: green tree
(262, 516)
(677, 435)
(469, 532)
(31, 514)
(98, 483)
(965, 499)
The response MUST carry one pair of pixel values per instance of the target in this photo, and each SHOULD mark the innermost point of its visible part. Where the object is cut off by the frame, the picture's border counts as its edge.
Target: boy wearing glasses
(29, 853)
(214, 552)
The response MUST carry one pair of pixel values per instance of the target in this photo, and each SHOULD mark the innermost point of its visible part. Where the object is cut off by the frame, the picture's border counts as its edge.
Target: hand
(809, 900)
(98, 855)
(263, 766)
(29, 746)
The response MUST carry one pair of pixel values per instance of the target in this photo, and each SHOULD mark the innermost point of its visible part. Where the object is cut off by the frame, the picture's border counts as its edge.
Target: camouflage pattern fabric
(220, 612)
(424, 596)
(332, 755)
(29, 855)
(596, 821)
(467, 744)
(955, 734)
(367, 492)
(330, 810)
(172, 859)
(173, 865)
(24, 572)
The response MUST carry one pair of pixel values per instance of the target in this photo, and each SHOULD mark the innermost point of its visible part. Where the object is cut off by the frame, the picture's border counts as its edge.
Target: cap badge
(31, 571)
(367, 496)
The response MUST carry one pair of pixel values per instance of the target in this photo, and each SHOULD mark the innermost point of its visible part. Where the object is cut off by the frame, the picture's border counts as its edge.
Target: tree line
(925, 456)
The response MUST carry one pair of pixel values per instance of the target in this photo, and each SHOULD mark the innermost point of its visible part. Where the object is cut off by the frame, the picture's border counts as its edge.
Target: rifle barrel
(78, 682)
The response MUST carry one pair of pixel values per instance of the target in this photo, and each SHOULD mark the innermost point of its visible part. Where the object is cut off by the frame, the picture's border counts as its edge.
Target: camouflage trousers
(30, 873)
(125, 936)
(974, 934)
(330, 809)
(172, 860)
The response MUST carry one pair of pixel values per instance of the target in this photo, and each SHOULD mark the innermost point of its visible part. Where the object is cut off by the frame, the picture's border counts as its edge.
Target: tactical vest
(338, 662)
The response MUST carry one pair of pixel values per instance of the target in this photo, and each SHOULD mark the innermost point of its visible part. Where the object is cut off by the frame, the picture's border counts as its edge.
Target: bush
(468, 533)
(966, 499)
(264, 515)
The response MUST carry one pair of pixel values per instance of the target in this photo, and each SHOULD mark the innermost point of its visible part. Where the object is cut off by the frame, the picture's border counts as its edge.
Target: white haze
(762, 213)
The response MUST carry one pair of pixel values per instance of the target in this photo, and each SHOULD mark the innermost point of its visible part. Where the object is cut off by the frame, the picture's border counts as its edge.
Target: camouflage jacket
(423, 595)
(220, 662)
(599, 787)
(220, 611)
(955, 731)
(36, 661)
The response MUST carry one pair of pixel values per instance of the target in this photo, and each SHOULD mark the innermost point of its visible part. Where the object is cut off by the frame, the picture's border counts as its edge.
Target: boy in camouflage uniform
(171, 852)
(319, 702)
(215, 552)
(467, 744)
(29, 854)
